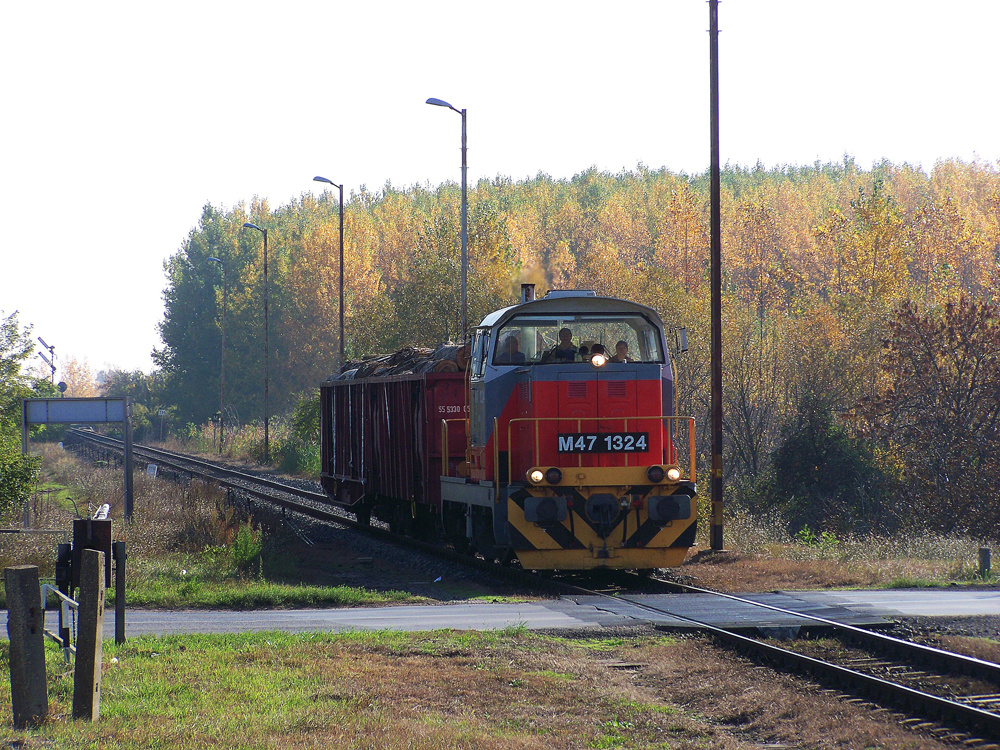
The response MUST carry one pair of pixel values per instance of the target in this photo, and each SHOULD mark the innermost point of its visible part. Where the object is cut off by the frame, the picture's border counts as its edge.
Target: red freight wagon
(382, 443)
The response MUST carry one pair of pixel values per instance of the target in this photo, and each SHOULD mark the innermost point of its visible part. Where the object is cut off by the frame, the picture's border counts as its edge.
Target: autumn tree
(79, 379)
(939, 411)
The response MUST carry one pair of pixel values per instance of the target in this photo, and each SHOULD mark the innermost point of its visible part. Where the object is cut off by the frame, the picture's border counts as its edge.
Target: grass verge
(443, 690)
(366, 690)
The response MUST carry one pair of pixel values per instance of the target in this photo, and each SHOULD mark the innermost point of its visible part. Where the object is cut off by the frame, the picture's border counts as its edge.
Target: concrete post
(26, 629)
(90, 626)
(118, 552)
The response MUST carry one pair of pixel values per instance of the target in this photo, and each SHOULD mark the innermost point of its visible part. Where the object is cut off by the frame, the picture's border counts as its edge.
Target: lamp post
(341, 299)
(465, 211)
(267, 351)
(222, 370)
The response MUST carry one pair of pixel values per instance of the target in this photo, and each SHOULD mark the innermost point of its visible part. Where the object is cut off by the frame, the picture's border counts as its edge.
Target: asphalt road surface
(574, 613)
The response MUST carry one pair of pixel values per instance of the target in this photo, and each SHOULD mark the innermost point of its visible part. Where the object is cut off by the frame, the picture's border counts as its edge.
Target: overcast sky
(121, 120)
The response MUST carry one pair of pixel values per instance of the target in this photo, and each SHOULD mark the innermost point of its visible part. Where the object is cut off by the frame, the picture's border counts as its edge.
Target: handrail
(579, 427)
(444, 441)
(66, 606)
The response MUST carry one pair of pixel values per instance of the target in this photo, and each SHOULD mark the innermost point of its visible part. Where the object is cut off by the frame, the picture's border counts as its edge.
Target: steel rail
(332, 514)
(957, 662)
(944, 708)
(179, 461)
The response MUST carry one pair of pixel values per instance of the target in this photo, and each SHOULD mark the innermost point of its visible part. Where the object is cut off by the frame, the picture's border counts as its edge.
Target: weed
(246, 547)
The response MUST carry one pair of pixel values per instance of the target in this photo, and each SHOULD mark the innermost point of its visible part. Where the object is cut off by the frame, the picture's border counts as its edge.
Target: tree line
(833, 276)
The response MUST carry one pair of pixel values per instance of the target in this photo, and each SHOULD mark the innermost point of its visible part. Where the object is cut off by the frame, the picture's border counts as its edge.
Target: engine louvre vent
(617, 389)
(577, 389)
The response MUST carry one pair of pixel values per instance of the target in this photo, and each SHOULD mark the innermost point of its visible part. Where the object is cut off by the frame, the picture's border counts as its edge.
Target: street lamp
(222, 375)
(267, 352)
(465, 211)
(341, 303)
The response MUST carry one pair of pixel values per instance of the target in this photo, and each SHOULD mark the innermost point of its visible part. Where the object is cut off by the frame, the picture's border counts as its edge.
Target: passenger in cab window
(564, 350)
(621, 352)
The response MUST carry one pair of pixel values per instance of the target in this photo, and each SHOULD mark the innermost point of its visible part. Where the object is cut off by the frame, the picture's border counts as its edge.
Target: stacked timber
(447, 357)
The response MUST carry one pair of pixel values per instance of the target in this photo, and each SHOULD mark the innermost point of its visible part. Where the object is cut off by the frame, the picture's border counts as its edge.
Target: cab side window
(479, 352)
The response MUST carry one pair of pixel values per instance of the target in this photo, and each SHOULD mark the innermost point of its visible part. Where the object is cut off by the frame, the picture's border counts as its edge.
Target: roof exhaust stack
(527, 293)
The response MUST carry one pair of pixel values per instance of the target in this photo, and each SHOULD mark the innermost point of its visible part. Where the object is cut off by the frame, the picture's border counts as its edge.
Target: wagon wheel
(362, 509)
(399, 520)
(363, 513)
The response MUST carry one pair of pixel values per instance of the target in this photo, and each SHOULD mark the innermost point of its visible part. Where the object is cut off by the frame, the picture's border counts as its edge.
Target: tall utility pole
(267, 351)
(716, 282)
(222, 366)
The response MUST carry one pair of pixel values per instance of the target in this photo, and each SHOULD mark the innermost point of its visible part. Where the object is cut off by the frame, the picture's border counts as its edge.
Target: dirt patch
(759, 706)
(737, 573)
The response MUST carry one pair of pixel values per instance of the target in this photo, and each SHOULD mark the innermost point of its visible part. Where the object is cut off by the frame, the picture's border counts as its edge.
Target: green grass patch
(915, 583)
(213, 579)
(365, 690)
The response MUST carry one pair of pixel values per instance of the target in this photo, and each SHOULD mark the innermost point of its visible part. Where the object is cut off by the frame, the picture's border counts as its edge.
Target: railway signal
(51, 359)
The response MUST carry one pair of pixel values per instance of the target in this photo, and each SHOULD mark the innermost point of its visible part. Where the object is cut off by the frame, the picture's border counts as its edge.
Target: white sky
(120, 120)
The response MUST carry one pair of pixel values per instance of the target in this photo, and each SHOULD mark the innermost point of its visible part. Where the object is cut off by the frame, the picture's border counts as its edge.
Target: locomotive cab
(575, 458)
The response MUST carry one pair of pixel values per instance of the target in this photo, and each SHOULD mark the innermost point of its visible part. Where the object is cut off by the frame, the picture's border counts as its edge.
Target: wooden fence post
(26, 629)
(90, 627)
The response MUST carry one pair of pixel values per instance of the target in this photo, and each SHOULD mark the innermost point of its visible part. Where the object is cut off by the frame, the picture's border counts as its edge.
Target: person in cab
(510, 352)
(564, 351)
(621, 352)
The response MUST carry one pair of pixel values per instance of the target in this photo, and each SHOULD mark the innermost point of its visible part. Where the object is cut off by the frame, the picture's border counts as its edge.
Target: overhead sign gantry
(36, 411)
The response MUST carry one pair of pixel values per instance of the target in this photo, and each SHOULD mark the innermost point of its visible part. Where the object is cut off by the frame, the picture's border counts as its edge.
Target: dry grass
(979, 648)
(761, 556)
(187, 547)
(167, 517)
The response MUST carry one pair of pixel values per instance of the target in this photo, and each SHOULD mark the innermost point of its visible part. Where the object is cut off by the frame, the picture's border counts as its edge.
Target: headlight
(599, 359)
(535, 476)
(673, 473)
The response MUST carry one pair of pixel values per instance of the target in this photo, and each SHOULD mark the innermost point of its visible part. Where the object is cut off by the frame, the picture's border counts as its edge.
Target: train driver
(510, 351)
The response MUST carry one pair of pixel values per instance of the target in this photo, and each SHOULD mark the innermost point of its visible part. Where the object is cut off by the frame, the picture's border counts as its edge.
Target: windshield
(554, 339)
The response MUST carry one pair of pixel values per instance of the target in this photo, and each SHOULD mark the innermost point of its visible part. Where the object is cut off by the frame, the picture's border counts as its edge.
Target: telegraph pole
(716, 283)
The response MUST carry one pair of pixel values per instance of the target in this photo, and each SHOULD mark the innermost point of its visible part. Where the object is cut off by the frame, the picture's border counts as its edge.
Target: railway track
(291, 499)
(930, 686)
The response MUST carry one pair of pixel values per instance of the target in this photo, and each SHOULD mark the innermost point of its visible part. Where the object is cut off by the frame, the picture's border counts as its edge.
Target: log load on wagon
(551, 439)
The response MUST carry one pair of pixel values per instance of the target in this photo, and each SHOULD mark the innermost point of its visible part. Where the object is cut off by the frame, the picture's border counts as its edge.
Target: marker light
(535, 476)
(553, 476)
(673, 473)
(655, 474)
(599, 360)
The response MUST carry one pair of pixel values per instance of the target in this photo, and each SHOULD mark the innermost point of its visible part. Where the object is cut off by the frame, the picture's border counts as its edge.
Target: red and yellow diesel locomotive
(557, 444)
